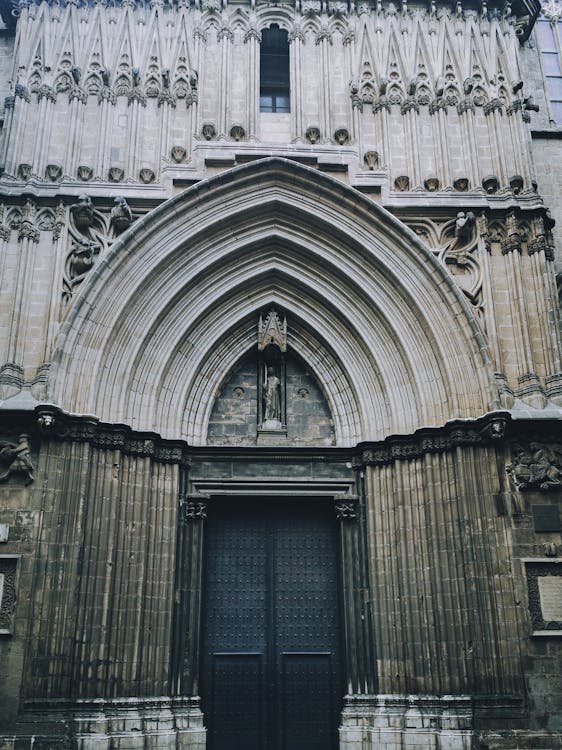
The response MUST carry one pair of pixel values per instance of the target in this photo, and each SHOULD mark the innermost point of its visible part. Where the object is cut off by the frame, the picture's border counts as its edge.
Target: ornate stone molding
(61, 426)
(436, 440)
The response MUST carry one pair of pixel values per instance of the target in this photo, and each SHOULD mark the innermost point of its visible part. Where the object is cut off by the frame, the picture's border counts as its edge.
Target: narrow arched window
(274, 70)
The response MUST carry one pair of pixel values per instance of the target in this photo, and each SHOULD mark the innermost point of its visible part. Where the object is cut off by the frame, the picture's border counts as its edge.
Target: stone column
(166, 105)
(438, 109)
(296, 40)
(467, 116)
(484, 248)
(517, 129)
(252, 38)
(493, 111)
(199, 41)
(137, 103)
(106, 104)
(46, 97)
(529, 388)
(192, 511)
(59, 239)
(324, 40)
(225, 38)
(545, 303)
(16, 133)
(28, 237)
(9, 103)
(409, 110)
(381, 110)
(359, 659)
(77, 98)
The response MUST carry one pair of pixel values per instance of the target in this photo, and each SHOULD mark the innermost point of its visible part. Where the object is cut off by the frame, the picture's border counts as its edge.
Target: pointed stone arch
(175, 302)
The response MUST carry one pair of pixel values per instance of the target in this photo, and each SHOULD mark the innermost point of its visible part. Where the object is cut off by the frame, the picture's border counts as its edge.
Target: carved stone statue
(272, 398)
(464, 224)
(83, 212)
(121, 215)
(83, 257)
(16, 459)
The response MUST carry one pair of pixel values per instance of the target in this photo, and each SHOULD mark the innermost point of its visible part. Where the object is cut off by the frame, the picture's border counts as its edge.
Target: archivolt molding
(174, 303)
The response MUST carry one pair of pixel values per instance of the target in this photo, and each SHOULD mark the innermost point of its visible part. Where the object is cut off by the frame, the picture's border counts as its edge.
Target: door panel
(271, 669)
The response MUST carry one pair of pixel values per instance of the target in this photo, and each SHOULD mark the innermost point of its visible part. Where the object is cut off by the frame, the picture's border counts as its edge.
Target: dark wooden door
(271, 664)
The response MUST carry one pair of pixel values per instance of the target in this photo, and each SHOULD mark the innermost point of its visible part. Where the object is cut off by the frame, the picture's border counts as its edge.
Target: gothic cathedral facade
(280, 375)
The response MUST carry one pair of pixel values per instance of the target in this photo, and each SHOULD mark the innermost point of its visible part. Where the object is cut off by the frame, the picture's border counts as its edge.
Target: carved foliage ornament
(90, 233)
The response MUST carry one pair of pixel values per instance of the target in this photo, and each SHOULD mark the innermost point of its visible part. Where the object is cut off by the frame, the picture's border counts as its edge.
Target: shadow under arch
(169, 308)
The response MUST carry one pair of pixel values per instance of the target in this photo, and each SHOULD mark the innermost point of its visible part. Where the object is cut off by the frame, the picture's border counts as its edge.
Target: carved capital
(345, 507)
(46, 92)
(408, 105)
(106, 94)
(136, 95)
(381, 103)
(78, 93)
(494, 105)
(253, 33)
(193, 508)
(28, 231)
(465, 105)
(21, 92)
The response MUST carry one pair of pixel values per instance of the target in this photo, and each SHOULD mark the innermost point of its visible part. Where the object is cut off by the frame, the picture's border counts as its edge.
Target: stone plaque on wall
(544, 581)
(550, 594)
(546, 518)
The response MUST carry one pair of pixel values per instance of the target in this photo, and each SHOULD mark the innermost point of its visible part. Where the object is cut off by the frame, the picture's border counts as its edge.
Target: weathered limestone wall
(171, 87)
(234, 420)
(446, 624)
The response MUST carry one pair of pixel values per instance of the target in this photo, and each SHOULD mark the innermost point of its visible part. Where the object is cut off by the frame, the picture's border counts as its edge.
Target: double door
(271, 663)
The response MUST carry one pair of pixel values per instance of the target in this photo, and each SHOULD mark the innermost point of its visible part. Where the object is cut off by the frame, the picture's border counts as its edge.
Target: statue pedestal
(271, 432)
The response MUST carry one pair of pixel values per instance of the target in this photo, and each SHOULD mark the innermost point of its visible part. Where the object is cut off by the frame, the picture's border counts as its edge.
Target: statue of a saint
(272, 397)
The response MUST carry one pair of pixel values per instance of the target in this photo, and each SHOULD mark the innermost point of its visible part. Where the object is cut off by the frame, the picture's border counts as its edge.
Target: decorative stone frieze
(536, 466)
(15, 460)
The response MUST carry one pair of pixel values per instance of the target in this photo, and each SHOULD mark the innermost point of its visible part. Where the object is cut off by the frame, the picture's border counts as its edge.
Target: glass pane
(546, 37)
(556, 110)
(550, 64)
(554, 88)
(266, 103)
(282, 103)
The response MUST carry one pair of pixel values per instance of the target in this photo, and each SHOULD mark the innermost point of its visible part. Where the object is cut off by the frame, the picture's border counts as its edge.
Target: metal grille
(271, 669)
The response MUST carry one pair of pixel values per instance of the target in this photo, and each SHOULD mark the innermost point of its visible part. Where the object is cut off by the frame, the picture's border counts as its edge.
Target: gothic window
(274, 70)
(549, 33)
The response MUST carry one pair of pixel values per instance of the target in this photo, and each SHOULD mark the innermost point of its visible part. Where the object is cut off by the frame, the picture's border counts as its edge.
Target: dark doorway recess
(271, 641)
